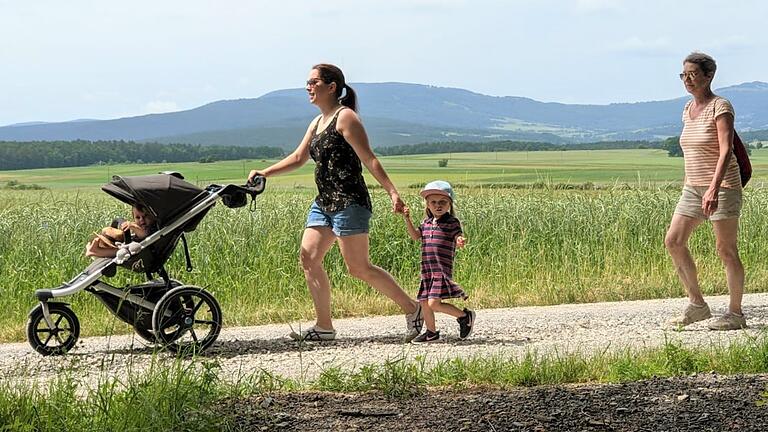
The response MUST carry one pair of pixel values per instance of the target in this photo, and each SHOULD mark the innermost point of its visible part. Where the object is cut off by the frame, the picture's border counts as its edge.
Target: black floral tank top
(338, 170)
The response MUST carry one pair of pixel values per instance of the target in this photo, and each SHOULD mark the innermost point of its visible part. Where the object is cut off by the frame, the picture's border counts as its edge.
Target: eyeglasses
(692, 75)
(313, 82)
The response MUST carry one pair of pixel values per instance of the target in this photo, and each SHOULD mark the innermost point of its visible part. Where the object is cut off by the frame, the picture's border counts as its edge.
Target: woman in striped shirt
(712, 191)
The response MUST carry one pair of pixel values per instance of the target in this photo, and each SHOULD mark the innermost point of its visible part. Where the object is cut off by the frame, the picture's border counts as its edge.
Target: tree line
(16, 155)
(59, 154)
(672, 145)
(467, 147)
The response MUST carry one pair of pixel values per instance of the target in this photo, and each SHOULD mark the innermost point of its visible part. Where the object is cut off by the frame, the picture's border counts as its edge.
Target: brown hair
(706, 63)
(332, 74)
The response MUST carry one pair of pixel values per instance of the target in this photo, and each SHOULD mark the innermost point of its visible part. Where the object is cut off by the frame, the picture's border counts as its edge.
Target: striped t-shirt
(701, 148)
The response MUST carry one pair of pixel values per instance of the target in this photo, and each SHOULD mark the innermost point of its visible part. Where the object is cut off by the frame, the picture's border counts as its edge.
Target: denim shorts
(729, 203)
(350, 221)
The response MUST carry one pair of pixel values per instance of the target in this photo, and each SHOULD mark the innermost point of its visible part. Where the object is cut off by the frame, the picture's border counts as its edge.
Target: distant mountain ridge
(399, 113)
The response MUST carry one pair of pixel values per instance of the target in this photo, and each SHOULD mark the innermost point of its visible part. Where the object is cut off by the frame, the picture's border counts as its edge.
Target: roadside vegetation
(193, 395)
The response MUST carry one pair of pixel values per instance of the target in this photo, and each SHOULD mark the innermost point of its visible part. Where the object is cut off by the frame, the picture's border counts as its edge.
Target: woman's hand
(406, 212)
(397, 204)
(253, 174)
(461, 241)
(709, 201)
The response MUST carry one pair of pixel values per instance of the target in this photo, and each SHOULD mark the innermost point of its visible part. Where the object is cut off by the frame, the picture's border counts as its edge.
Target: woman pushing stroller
(337, 142)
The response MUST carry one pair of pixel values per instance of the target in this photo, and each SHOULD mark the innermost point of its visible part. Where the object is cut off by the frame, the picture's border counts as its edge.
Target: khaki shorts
(729, 203)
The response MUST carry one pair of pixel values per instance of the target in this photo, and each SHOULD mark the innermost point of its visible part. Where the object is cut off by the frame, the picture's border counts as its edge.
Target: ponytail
(332, 74)
(349, 100)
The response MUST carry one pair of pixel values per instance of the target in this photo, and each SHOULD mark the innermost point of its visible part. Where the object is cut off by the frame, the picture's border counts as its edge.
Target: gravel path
(509, 332)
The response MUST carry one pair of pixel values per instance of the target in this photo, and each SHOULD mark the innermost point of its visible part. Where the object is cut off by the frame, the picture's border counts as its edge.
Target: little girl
(103, 245)
(440, 233)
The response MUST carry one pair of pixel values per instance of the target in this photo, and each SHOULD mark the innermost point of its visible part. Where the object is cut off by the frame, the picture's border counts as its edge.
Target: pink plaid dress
(438, 246)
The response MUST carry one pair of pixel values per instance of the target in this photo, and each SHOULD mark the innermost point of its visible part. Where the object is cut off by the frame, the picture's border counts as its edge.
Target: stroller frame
(162, 311)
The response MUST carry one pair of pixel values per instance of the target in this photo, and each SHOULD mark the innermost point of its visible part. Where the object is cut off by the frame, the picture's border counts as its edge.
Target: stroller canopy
(163, 195)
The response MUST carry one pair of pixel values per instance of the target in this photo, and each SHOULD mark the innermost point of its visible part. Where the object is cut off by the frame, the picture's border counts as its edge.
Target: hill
(401, 114)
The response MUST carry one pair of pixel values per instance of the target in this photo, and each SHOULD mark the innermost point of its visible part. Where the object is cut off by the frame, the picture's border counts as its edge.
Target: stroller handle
(256, 185)
(235, 196)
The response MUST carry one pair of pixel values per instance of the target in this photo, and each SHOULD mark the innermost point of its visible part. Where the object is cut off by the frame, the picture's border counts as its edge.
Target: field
(645, 168)
(542, 245)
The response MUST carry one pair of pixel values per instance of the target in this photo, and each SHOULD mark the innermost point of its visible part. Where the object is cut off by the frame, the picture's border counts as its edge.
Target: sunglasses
(691, 75)
(313, 82)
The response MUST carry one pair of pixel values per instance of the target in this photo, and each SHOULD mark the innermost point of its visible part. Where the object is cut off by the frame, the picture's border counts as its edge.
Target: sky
(101, 59)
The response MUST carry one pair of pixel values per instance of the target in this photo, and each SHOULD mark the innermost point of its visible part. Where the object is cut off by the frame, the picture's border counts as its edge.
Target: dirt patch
(705, 402)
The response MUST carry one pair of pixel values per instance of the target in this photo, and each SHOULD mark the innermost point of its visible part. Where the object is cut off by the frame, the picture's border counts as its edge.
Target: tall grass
(526, 247)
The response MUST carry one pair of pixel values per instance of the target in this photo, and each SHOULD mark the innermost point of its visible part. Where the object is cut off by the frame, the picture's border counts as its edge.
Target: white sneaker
(414, 322)
(313, 333)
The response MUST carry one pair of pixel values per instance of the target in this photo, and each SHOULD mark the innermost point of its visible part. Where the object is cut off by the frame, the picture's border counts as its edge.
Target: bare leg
(315, 243)
(676, 241)
(725, 236)
(438, 306)
(429, 316)
(354, 249)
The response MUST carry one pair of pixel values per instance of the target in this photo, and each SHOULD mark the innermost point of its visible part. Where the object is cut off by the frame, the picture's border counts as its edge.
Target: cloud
(393, 7)
(599, 5)
(732, 42)
(640, 46)
(159, 106)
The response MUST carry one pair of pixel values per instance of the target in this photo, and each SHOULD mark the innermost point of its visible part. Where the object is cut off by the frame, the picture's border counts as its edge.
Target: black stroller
(183, 318)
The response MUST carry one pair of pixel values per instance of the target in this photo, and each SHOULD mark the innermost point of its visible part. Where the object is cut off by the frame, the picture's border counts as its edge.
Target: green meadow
(597, 166)
(546, 244)
(639, 168)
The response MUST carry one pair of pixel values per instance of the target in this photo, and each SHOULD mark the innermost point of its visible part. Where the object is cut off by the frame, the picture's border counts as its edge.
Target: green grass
(526, 247)
(178, 397)
(401, 378)
(634, 167)
(514, 167)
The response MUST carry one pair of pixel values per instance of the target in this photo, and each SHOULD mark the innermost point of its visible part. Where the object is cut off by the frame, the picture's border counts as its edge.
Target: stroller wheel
(57, 340)
(187, 319)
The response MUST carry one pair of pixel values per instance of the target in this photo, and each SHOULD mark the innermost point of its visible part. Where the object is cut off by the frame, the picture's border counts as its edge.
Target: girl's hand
(133, 226)
(406, 212)
(461, 241)
(397, 204)
(138, 231)
(709, 201)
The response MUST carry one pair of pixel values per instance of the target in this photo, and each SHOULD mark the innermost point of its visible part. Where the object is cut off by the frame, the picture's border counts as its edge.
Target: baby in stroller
(163, 310)
(106, 243)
